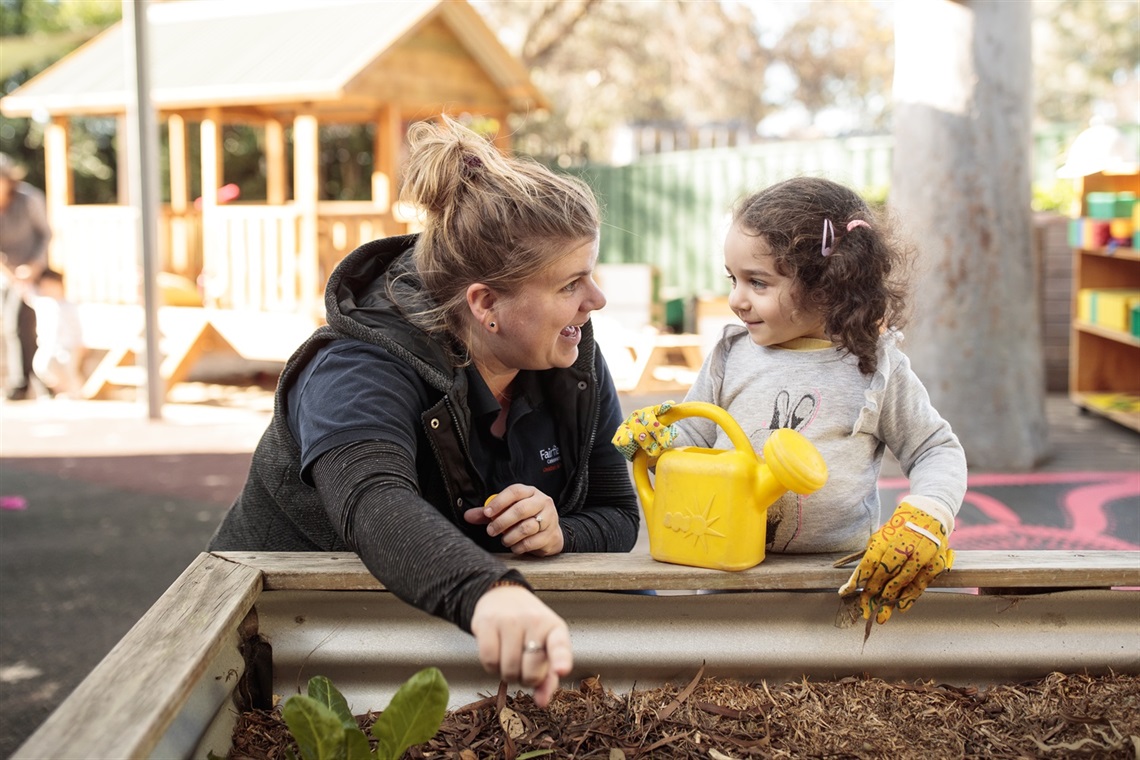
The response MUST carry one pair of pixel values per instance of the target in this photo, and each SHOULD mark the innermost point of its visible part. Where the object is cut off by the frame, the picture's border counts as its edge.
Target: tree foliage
(34, 34)
(1086, 57)
(841, 56)
(604, 63)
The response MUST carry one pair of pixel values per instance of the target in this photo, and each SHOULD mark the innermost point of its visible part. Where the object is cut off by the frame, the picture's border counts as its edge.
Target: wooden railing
(261, 257)
(254, 258)
(247, 257)
(96, 247)
(342, 226)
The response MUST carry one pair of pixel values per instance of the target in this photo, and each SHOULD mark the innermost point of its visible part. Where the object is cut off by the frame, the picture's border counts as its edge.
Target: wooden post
(385, 157)
(179, 196)
(211, 157)
(215, 268)
(57, 180)
(122, 167)
(502, 138)
(306, 193)
(274, 162)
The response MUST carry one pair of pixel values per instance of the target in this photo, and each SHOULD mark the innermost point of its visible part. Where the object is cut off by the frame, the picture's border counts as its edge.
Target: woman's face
(541, 326)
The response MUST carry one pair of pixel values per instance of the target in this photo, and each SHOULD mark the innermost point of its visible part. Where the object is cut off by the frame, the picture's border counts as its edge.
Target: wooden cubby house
(259, 265)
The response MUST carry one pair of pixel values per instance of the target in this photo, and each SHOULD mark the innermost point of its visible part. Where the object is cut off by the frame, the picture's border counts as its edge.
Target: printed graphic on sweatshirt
(797, 416)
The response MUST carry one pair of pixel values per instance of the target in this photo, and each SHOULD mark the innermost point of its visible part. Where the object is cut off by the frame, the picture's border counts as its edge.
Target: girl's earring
(490, 324)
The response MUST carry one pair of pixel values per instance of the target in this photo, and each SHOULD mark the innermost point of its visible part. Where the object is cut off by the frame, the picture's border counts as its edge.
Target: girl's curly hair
(860, 286)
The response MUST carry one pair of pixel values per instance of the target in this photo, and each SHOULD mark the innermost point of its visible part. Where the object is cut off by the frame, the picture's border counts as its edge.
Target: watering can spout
(708, 507)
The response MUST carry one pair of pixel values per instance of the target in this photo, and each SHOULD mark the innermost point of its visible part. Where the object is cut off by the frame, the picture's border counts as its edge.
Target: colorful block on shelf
(1110, 308)
(1095, 233)
(1124, 203)
(1113, 308)
(1076, 233)
(1100, 205)
(1135, 321)
(1120, 228)
(1114, 402)
(1085, 310)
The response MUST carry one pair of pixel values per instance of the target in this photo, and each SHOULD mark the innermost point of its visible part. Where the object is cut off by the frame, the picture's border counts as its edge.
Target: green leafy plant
(325, 728)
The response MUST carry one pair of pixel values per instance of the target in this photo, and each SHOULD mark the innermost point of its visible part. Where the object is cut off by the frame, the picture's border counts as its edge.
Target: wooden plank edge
(162, 656)
(638, 571)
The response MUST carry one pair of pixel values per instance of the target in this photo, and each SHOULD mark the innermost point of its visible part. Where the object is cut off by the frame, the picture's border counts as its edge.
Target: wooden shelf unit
(1102, 360)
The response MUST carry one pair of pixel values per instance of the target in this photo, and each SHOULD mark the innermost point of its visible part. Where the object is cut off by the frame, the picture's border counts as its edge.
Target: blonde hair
(489, 218)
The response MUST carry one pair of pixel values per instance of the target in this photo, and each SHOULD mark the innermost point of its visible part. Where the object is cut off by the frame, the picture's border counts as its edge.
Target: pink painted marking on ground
(1083, 507)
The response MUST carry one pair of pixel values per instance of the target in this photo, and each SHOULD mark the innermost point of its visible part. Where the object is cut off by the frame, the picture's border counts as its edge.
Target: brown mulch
(1059, 716)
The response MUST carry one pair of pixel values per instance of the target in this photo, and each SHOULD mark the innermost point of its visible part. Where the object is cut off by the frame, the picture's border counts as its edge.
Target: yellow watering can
(710, 506)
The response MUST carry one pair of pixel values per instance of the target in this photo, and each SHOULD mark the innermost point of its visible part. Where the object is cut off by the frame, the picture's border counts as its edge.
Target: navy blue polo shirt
(355, 391)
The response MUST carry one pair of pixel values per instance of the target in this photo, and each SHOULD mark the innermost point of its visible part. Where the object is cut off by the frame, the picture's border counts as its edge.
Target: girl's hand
(524, 517)
(902, 558)
(522, 640)
(642, 430)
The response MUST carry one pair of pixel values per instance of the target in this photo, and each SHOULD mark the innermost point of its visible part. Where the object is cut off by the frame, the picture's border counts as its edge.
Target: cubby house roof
(272, 55)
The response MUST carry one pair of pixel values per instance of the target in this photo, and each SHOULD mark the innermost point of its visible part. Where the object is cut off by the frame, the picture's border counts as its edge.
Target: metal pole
(143, 160)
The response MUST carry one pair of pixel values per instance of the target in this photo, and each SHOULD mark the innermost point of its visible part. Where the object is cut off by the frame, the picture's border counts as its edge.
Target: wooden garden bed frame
(169, 687)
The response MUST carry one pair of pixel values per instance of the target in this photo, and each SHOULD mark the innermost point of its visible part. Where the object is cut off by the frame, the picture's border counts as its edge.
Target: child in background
(815, 280)
(59, 336)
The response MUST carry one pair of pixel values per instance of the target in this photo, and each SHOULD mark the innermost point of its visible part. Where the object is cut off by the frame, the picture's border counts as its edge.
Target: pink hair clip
(857, 223)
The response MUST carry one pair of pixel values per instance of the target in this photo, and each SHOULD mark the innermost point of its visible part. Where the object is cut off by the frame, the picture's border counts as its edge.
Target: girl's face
(762, 298)
(541, 327)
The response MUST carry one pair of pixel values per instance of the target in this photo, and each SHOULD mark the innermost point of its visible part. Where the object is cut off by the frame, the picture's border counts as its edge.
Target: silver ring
(538, 519)
(533, 647)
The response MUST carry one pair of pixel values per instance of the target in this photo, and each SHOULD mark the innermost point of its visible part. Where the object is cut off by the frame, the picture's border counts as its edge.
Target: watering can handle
(677, 412)
(713, 412)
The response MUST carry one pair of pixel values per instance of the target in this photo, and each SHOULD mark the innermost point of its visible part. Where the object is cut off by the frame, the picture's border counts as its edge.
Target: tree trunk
(961, 185)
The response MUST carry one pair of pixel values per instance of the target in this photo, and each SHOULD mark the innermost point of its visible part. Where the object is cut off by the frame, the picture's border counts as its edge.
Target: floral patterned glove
(901, 560)
(642, 430)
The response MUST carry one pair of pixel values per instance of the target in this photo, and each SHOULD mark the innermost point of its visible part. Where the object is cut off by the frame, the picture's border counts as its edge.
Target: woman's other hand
(522, 640)
(524, 517)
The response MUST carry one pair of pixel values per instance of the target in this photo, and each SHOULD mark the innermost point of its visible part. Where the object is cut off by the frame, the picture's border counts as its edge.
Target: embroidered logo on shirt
(552, 458)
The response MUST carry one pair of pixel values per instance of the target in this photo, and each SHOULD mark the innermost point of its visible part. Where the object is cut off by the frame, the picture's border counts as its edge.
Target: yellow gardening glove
(641, 430)
(901, 560)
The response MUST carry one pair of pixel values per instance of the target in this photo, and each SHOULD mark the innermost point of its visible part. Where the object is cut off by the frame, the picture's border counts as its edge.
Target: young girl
(815, 280)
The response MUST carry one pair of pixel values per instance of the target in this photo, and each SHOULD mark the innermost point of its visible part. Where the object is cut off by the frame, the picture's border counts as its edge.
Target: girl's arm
(928, 451)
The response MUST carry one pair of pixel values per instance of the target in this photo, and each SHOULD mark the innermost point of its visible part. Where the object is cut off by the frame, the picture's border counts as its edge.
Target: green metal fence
(671, 209)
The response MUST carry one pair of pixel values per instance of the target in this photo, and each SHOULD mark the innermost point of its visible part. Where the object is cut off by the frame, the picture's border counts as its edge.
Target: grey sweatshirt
(851, 418)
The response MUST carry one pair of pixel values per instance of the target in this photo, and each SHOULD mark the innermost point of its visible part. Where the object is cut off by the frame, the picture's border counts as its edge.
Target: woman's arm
(370, 491)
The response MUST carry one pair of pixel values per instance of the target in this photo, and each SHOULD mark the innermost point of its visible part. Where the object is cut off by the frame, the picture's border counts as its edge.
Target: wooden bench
(168, 688)
(187, 335)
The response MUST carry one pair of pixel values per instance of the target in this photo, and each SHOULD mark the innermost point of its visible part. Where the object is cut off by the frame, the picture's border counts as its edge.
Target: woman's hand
(524, 517)
(522, 640)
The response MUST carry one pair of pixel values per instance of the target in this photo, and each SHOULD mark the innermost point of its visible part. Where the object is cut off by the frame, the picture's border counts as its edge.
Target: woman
(455, 406)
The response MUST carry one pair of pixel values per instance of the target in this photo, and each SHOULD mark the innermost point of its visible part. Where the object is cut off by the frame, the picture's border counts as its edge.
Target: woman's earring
(490, 324)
